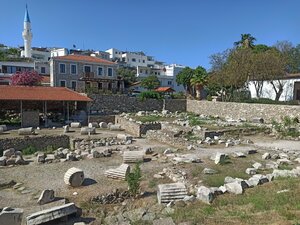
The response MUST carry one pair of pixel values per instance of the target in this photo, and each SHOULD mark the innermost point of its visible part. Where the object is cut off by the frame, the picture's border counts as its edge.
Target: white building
(291, 88)
(132, 59)
(7, 69)
(166, 76)
(59, 52)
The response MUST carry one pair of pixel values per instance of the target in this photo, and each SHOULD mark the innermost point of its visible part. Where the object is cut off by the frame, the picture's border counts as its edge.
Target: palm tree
(198, 80)
(247, 41)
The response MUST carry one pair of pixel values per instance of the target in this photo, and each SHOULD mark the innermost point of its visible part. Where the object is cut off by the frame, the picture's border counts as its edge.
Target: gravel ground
(37, 177)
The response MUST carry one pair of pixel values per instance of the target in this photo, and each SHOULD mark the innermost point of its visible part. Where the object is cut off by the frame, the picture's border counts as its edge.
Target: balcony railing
(88, 75)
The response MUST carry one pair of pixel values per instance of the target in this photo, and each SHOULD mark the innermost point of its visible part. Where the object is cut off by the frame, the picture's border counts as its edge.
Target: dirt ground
(37, 177)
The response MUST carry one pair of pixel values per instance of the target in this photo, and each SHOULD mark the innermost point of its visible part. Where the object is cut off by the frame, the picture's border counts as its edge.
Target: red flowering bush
(26, 78)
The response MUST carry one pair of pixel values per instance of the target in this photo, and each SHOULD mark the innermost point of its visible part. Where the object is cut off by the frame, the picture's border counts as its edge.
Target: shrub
(29, 150)
(133, 180)
(179, 95)
(149, 94)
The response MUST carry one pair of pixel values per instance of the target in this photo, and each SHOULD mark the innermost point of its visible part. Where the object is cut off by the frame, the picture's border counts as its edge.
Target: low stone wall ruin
(114, 104)
(37, 142)
(243, 110)
(135, 128)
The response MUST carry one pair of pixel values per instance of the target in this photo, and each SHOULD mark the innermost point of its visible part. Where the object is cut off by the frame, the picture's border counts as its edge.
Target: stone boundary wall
(174, 105)
(136, 129)
(243, 110)
(38, 142)
(164, 137)
(102, 118)
(114, 104)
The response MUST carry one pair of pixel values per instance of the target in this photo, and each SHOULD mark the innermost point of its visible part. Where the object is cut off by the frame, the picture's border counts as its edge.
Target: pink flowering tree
(26, 78)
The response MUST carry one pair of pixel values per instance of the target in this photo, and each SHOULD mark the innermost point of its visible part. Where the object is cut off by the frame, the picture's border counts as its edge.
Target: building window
(74, 85)
(143, 61)
(43, 70)
(62, 83)
(73, 69)
(87, 69)
(169, 82)
(109, 86)
(62, 68)
(100, 71)
(141, 71)
(133, 59)
(109, 72)
(100, 86)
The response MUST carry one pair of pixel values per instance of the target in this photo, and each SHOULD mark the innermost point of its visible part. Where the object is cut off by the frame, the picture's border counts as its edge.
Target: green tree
(291, 54)
(247, 41)
(151, 82)
(184, 78)
(198, 80)
(128, 75)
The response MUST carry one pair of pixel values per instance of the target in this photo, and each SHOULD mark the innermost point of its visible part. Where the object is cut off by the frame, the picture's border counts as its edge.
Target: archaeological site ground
(197, 163)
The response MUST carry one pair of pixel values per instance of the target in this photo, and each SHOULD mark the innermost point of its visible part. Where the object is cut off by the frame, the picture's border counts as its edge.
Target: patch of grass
(208, 210)
(31, 150)
(234, 168)
(191, 137)
(285, 167)
(259, 205)
(152, 183)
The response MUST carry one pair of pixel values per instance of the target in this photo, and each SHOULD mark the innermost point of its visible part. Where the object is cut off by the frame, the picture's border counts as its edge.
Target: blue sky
(174, 31)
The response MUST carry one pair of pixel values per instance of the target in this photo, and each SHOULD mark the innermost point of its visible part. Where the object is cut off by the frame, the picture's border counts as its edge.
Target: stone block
(118, 173)
(9, 152)
(265, 156)
(205, 194)
(75, 124)
(133, 156)
(51, 214)
(11, 216)
(87, 130)
(46, 197)
(171, 192)
(236, 187)
(4, 127)
(74, 177)
(220, 158)
(103, 125)
(26, 131)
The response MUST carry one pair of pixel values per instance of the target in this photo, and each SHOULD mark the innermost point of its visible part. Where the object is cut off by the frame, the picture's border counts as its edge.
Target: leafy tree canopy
(151, 82)
(129, 75)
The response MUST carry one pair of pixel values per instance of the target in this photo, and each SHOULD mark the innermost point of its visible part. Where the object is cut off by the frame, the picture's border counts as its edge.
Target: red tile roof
(39, 93)
(45, 79)
(164, 89)
(84, 58)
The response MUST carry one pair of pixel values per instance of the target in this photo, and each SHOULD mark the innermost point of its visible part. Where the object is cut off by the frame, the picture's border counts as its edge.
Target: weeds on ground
(31, 150)
(133, 180)
(259, 205)
(288, 127)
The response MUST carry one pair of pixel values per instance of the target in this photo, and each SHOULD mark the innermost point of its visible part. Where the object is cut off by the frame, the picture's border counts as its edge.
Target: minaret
(27, 35)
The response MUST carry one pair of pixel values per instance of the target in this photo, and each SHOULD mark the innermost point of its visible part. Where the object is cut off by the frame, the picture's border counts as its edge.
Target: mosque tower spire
(27, 34)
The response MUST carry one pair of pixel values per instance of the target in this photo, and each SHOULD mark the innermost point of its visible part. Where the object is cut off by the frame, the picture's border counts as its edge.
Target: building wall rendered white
(268, 91)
